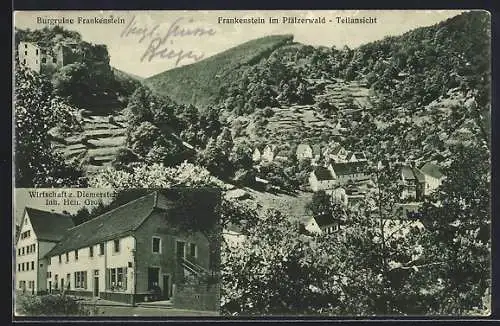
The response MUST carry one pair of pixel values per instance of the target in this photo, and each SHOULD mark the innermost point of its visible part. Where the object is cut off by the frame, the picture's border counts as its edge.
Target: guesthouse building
(136, 252)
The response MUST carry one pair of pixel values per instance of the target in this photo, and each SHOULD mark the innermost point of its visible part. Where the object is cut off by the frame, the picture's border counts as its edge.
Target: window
(76, 254)
(18, 267)
(81, 280)
(36, 51)
(91, 251)
(49, 261)
(67, 257)
(119, 276)
(32, 265)
(54, 60)
(22, 250)
(25, 46)
(56, 283)
(156, 245)
(19, 252)
(37, 61)
(193, 250)
(44, 60)
(34, 247)
(180, 249)
(22, 267)
(25, 52)
(117, 279)
(101, 249)
(60, 260)
(24, 61)
(68, 277)
(116, 245)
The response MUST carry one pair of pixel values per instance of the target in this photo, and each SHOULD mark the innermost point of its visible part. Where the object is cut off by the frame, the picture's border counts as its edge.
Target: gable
(432, 170)
(48, 226)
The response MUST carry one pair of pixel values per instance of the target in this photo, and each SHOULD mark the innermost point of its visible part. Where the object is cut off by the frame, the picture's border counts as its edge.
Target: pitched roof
(410, 173)
(117, 222)
(322, 173)
(432, 169)
(360, 155)
(348, 168)
(49, 226)
(324, 220)
(407, 172)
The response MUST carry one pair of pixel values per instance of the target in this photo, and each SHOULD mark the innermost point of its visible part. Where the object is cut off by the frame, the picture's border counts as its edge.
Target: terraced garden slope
(96, 146)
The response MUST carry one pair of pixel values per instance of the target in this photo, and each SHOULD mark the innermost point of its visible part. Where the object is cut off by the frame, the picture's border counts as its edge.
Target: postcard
(321, 163)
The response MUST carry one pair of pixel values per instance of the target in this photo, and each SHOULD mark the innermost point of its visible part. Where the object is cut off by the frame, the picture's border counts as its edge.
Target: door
(50, 286)
(153, 277)
(167, 288)
(96, 286)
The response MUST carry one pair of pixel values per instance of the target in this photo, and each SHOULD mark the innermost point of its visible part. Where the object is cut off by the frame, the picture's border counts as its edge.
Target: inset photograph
(99, 252)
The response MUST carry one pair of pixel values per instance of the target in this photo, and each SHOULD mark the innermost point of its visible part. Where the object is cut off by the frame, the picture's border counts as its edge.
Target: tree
(459, 221)
(322, 205)
(215, 158)
(36, 112)
(142, 138)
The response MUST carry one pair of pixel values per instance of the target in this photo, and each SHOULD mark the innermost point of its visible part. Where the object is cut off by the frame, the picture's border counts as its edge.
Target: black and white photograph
(100, 252)
(350, 149)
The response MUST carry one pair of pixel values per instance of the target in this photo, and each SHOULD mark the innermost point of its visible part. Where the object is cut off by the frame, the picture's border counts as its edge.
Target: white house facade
(39, 233)
(132, 253)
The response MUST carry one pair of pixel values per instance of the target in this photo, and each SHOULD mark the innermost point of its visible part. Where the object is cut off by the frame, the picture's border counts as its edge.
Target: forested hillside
(198, 83)
(412, 95)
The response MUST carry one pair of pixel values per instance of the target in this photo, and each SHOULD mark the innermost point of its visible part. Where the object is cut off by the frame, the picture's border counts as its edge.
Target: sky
(23, 199)
(137, 33)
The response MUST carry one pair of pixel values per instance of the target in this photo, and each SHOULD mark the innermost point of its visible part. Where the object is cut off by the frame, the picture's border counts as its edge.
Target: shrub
(52, 305)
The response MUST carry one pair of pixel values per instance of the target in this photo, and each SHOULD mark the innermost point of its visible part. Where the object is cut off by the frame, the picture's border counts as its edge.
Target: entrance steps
(165, 304)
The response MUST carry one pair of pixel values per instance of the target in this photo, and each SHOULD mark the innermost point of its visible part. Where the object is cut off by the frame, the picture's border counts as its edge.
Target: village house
(126, 254)
(348, 171)
(268, 153)
(40, 231)
(433, 177)
(337, 153)
(420, 182)
(44, 58)
(316, 152)
(304, 151)
(356, 157)
(256, 155)
(412, 182)
(282, 155)
(324, 224)
(321, 178)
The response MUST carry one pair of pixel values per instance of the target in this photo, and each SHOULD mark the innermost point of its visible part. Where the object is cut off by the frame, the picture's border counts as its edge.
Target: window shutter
(107, 279)
(125, 278)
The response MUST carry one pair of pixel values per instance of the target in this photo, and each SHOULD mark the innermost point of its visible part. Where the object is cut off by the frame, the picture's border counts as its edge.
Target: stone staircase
(165, 304)
(97, 145)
